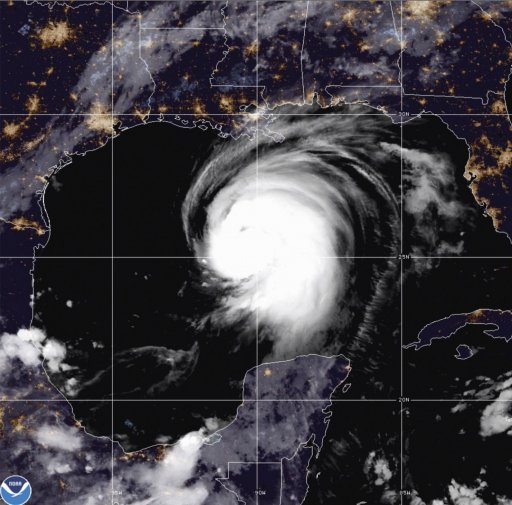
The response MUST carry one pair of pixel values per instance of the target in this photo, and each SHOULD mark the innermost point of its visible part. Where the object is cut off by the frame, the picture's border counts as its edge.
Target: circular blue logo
(15, 490)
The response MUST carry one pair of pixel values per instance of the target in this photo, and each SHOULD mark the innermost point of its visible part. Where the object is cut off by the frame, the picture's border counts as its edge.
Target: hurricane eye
(281, 230)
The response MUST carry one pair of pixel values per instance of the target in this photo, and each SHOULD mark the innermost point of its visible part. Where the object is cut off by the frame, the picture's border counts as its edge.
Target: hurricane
(278, 244)
(281, 228)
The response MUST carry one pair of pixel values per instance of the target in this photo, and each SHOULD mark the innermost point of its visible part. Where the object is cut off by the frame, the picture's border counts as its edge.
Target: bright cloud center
(277, 237)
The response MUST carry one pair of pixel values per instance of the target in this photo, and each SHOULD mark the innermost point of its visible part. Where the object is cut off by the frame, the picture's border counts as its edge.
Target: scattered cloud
(497, 417)
(431, 199)
(60, 438)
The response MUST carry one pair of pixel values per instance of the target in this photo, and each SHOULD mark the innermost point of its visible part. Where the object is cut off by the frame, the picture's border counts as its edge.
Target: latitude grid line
(394, 257)
(222, 1)
(155, 117)
(249, 400)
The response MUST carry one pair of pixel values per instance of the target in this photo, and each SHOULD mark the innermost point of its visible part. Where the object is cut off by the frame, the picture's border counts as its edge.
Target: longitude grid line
(258, 271)
(112, 249)
(401, 251)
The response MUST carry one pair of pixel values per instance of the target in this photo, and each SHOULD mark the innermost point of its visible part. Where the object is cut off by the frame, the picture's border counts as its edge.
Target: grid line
(401, 61)
(187, 257)
(240, 400)
(112, 250)
(113, 2)
(256, 491)
(155, 117)
(394, 257)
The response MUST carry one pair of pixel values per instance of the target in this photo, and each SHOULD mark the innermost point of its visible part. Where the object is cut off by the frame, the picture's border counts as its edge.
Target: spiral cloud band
(277, 235)
(278, 230)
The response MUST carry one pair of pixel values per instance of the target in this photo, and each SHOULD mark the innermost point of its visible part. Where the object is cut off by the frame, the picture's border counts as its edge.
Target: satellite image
(255, 252)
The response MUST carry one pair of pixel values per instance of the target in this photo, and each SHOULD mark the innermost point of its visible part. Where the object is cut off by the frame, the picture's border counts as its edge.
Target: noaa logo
(15, 490)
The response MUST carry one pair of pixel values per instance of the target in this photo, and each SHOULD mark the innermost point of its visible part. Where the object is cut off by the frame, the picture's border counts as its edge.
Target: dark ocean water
(139, 311)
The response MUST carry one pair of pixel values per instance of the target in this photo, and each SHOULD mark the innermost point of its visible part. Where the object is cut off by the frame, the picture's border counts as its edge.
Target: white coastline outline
(416, 345)
(113, 136)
